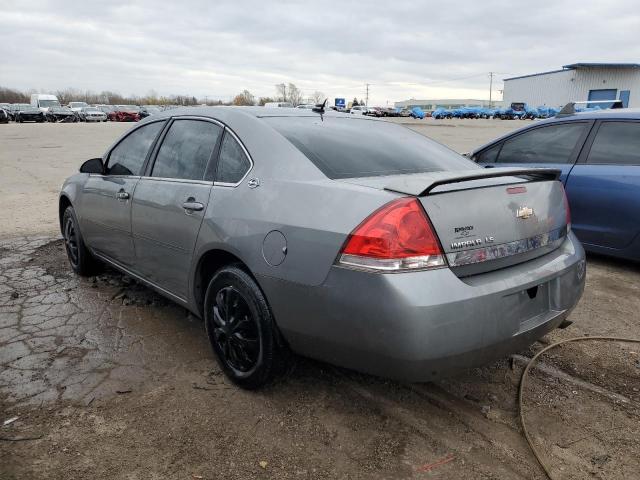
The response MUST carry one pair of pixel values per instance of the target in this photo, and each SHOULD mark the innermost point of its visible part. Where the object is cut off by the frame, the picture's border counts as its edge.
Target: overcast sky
(412, 49)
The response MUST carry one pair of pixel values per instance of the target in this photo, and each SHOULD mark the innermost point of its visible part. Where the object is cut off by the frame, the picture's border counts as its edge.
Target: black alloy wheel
(80, 258)
(71, 241)
(241, 329)
(235, 330)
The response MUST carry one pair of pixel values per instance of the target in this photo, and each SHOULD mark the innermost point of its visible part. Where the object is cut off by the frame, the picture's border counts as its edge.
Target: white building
(577, 82)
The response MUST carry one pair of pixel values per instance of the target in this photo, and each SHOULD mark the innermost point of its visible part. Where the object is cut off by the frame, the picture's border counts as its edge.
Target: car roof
(237, 113)
(608, 114)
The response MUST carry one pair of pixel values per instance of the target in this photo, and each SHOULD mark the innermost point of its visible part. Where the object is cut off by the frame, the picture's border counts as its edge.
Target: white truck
(44, 101)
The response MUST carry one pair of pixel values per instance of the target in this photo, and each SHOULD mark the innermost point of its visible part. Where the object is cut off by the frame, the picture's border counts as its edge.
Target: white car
(77, 106)
(92, 114)
(359, 110)
(278, 105)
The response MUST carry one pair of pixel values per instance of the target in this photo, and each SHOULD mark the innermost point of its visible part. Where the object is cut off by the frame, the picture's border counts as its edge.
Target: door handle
(122, 195)
(192, 206)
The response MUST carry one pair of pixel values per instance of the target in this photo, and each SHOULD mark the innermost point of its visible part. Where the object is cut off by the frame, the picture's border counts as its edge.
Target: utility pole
(366, 101)
(491, 89)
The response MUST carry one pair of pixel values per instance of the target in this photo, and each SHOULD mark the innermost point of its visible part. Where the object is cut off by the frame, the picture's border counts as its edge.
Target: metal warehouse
(577, 82)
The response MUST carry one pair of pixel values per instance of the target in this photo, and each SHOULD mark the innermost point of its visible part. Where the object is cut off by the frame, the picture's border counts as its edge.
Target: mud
(110, 380)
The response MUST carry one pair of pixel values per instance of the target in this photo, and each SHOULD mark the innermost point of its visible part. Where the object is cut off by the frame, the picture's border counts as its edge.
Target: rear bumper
(422, 325)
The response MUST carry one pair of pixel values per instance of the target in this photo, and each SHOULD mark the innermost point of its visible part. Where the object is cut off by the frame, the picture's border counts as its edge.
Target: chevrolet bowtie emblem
(524, 212)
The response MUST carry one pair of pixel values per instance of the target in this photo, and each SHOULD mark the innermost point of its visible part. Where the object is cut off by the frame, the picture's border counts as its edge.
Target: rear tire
(80, 258)
(241, 329)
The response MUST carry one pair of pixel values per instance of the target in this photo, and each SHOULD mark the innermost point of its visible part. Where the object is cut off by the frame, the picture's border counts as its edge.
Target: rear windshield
(348, 148)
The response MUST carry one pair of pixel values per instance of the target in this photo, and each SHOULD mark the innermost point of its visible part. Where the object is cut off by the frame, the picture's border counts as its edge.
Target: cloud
(403, 49)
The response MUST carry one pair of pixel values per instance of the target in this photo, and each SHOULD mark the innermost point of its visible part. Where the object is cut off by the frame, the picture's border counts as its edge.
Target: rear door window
(552, 144)
(616, 143)
(233, 163)
(356, 147)
(129, 155)
(186, 149)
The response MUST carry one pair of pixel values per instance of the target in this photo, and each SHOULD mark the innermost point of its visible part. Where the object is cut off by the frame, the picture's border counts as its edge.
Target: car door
(105, 213)
(171, 200)
(604, 186)
(555, 145)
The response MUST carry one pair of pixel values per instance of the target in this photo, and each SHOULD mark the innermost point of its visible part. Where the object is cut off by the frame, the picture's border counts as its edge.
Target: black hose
(524, 377)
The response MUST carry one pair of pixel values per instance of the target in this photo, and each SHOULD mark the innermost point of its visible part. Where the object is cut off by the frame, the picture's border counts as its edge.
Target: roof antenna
(319, 108)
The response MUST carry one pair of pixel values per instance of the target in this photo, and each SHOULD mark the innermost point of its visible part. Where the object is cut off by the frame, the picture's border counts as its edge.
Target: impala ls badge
(524, 212)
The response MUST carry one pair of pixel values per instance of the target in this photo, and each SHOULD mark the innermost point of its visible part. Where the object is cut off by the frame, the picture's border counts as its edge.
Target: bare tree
(264, 100)
(109, 97)
(9, 95)
(281, 92)
(318, 97)
(244, 98)
(295, 95)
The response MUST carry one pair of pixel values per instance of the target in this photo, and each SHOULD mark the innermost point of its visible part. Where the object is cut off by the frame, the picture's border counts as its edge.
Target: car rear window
(350, 147)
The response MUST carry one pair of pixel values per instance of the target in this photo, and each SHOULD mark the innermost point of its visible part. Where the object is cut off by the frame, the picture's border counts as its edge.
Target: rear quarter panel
(315, 218)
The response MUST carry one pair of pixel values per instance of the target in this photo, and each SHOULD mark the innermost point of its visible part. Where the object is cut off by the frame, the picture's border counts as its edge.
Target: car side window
(490, 155)
(129, 155)
(233, 163)
(616, 143)
(552, 144)
(186, 149)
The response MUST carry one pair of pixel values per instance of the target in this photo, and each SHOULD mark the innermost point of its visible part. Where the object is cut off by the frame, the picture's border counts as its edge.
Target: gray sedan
(343, 238)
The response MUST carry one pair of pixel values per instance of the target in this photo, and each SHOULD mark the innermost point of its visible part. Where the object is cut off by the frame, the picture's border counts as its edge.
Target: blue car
(598, 153)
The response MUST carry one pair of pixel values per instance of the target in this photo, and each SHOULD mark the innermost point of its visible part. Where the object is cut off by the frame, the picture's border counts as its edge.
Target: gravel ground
(110, 380)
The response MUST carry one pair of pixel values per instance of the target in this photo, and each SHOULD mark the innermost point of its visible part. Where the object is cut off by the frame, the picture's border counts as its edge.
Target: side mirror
(93, 165)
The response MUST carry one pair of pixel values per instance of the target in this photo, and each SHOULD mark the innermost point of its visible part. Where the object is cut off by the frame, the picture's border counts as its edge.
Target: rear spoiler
(570, 108)
(421, 185)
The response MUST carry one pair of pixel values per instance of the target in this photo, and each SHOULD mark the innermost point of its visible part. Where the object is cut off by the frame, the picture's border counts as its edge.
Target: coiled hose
(524, 378)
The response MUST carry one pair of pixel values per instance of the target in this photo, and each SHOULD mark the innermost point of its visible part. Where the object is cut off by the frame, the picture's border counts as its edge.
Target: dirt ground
(109, 380)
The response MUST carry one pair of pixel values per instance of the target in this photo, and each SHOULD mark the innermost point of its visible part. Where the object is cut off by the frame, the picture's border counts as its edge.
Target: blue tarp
(417, 112)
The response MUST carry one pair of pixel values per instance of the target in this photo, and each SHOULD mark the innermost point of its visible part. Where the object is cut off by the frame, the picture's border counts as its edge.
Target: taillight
(567, 210)
(398, 236)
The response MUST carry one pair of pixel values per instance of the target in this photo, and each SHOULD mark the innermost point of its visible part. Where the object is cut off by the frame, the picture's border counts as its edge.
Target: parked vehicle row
(385, 111)
(516, 111)
(74, 112)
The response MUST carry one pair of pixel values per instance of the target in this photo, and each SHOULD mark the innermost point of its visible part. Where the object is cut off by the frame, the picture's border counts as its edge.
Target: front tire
(241, 329)
(80, 258)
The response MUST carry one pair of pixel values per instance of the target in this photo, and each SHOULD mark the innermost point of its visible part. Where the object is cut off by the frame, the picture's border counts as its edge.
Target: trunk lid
(489, 219)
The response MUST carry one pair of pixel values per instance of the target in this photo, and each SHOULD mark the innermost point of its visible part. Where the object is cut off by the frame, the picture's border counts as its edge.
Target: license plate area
(531, 306)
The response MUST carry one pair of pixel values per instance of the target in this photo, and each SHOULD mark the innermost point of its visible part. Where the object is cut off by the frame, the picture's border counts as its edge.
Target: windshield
(49, 103)
(381, 148)
(130, 108)
(90, 109)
